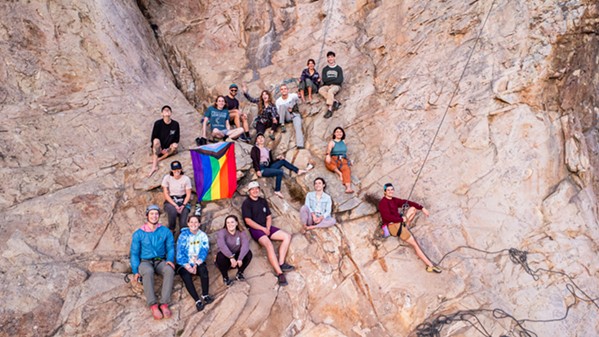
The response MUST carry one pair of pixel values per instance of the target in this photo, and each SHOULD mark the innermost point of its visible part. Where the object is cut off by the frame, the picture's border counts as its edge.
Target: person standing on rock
(153, 251)
(309, 81)
(332, 78)
(233, 250)
(218, 117)
(265, 166)
(397, 223)
(316, 212)
(240, 119)
(192, 251)
(268, 116)
(176, 188)
(287, 106)
(336, 158)
(165, 138)
(258, 219)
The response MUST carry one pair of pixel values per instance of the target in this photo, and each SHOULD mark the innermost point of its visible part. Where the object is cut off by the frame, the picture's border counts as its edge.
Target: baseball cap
(253, 184)
(176, 165)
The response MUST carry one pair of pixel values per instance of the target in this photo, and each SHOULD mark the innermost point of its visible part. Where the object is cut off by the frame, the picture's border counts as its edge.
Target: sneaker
(283, 129)
(336, 105)
(271, 136)
(433, 269)
(207, 299)
(245, 139)
(156, 312)
(165, 310)
(199, 305)
(287, 267)
(227, 281)
(329, 114)
(282, 280)
(240, 276)
(198, 211)
(309, 167)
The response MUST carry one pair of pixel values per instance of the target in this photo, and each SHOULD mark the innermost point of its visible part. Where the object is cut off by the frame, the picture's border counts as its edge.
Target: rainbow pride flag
(214, 171)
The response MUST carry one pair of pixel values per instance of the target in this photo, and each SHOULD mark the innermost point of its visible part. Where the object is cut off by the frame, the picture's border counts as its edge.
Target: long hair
(236, 220)
(216, 101)
(261, 104)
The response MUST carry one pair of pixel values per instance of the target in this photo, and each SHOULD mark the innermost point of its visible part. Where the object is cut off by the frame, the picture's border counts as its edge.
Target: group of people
(153, 249)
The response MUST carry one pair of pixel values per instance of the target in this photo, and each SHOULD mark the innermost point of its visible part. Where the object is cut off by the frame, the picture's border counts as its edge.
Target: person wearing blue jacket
(153, 250)
(192, 251)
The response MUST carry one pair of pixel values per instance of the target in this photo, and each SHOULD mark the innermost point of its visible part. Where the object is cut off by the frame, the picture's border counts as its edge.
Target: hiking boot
(282, 280)
(227, 281)
(329, 114)
(156, 313)
(287, 267)
(240, 276)
(283, 129)
(336, 105)
(433, 269)
(199, 305)
(165, 310)
(207, 299)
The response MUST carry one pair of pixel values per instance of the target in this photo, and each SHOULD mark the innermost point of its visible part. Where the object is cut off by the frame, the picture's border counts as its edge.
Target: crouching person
(192, 250)
(153, 251)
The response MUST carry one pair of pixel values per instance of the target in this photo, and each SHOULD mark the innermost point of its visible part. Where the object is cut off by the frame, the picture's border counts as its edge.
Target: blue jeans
(275, 170)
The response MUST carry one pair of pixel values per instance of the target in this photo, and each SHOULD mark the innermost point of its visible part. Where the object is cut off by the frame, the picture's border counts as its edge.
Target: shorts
(394, 229)
(257, 234)
(223, 131)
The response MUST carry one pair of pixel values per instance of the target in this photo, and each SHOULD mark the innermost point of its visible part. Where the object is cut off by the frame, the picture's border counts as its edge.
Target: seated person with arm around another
(396, 223)
(316, 212)
(233, 250)
(218, 118)
(192, 251)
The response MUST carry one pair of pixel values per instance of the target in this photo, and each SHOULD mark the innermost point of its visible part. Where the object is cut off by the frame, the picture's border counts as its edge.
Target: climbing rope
(325, 32)
(455, 91)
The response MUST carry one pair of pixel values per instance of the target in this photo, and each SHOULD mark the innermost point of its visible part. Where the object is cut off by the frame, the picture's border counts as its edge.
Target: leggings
(306, 219)
(224, 263)
(186, 276)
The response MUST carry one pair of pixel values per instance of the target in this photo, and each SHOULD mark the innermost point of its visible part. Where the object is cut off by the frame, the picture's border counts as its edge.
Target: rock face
(485, 112)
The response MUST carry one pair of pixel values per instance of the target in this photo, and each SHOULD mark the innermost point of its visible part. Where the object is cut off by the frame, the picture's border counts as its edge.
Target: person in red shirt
(397, 224)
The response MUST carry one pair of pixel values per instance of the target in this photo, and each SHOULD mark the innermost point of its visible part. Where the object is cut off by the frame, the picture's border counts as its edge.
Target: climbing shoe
(165, 310)
(329, 114)
(207, 299)
(199, 305)
(156, 312)
(287, 267)
(433, 269)
(282, 280)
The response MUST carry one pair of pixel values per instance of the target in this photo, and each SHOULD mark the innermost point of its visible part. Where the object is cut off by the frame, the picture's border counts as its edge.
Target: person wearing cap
(265, 166)
(239, 118)
(164, 139)
(258, 219)
(397, 223)
(176, 188)
(287, 106)
(217, 116)
(332, 78)
(153, 251)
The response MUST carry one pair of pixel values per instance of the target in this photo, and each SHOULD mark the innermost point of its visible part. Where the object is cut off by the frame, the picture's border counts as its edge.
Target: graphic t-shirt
(217, 118)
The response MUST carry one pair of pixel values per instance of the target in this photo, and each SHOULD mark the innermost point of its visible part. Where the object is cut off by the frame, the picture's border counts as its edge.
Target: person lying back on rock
(316, 212)
(268, 116)
(153, 250)
(308, 82)
(397, 223)
(218, 117)
(287, 106)
(164, 139)
(332, 78)
(239, 118)
(233, 250)
(192, 251)
(258, 219)
(176, 188)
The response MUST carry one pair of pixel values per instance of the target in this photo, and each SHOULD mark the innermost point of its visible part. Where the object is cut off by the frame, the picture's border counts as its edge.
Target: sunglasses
(233, 90)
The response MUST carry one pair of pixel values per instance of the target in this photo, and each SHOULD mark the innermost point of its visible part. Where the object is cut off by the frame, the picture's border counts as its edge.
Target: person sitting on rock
(176, 188)
(268, 116)
(240, 119)
(287, 106)
(233, 250)
(397, 223)
(309, 81)
(192, 251)
(316, 212)
(258, 219)
(265, 166)
(165, 138)
(218, 117)
(332, 78)
(153, 250)
(336, 158)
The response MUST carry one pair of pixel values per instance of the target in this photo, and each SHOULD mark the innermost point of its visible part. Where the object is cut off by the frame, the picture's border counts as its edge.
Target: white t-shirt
(177, 187)
(284, 104)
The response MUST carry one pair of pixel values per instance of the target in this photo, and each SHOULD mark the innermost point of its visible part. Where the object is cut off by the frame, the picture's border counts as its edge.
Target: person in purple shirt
(233, 249)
